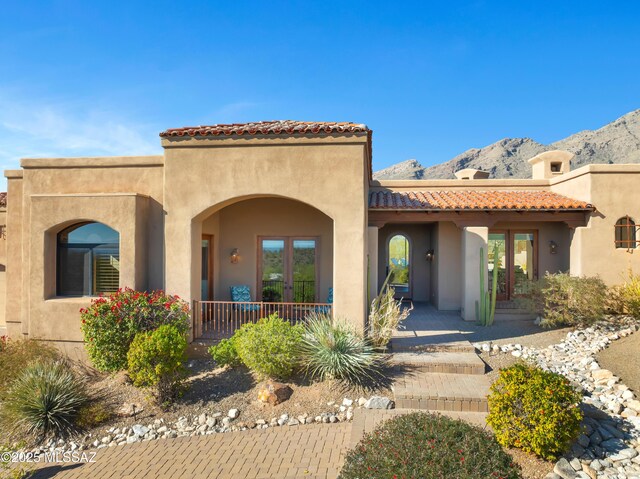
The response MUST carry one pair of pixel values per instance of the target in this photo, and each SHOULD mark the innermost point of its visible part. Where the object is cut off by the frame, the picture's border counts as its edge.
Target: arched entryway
(259, 255)
(399, 264)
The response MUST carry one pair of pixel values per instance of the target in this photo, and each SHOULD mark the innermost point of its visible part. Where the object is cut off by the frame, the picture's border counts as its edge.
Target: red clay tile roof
(3, 199)
(474, 200)
(278, 127)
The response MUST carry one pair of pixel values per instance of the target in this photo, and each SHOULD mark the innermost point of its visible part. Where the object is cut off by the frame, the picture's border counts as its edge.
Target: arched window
(626, 233)
(399, 264)
(88, 260)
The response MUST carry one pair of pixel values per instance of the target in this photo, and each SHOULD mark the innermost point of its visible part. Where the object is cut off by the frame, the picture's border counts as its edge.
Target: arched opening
(88, 260)
(399, 265)
(261, 255)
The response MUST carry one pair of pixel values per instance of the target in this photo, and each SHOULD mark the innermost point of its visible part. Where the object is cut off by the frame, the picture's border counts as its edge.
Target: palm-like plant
(45, 400)
(332, 349)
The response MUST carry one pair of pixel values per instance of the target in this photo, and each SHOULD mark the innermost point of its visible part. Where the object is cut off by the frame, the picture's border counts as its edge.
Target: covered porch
(261, 256)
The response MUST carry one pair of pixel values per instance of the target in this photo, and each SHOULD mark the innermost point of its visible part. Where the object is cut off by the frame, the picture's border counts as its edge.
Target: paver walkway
(312, 451)
(444, 379)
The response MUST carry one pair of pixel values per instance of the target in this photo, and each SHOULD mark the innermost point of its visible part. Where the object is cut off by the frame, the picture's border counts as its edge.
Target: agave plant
(45, 400)
(332, 349)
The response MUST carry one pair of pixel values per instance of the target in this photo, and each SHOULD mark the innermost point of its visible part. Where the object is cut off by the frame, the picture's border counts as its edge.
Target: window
(626, 233)
(88, 260)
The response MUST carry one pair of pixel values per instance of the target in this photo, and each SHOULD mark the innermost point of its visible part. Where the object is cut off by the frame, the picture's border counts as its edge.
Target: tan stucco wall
(447, 266)
(419, 236)
(239, 226)
(3, 265)
(125, 193)
(473, 238)
(203, 176)
(613, 189)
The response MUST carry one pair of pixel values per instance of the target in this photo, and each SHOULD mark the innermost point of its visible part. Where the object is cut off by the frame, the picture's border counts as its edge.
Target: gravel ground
(217, 390)
(623, 359)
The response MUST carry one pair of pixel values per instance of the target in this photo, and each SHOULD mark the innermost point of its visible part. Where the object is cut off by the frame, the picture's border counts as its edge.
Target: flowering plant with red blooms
(111, 322)
(428, 446)
(3, 342)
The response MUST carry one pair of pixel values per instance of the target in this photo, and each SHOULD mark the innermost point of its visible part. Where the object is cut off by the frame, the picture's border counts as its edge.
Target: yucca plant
(332, 349)
(44, 401)
(386, 315)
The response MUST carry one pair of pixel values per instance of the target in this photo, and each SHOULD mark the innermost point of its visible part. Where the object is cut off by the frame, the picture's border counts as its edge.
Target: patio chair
(325, 309)
(242, 294)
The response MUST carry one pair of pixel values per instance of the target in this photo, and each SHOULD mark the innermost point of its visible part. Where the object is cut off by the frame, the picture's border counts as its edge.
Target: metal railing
(220, 319)
(304, 291)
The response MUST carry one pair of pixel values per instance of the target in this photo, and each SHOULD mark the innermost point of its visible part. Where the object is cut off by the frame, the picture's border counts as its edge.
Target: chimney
(471, 174)
(550, 163)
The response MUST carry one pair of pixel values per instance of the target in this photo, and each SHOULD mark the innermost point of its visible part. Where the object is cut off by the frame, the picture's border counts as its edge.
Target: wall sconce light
(553, 247)
(430, 255)
(235, 255)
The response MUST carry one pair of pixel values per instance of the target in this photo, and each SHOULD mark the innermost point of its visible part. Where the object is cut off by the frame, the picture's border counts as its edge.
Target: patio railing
(220, 319)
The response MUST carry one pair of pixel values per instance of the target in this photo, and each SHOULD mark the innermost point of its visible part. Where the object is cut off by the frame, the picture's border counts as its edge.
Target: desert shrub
(225, 353)
(562, 299)
(535, 410)
(269, 347)
(386, 316)
(156, 358)
(15, 355)
(628, 296)
(110, 323)
(428, 446)
(332, 349)
(44, 401)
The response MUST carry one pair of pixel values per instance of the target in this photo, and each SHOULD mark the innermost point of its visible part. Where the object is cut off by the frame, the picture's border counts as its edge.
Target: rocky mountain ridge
(616, 142)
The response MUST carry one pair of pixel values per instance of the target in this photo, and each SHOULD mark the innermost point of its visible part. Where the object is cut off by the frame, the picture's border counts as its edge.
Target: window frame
(94, 250)
(626, 225)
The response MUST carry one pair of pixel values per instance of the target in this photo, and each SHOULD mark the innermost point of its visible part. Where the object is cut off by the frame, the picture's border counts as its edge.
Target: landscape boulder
(274, 393)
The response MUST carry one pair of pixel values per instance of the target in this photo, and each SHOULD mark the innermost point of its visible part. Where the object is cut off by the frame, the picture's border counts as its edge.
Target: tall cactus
(486, 307)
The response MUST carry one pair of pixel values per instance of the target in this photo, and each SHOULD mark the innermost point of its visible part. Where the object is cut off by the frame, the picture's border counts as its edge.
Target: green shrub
(331, 349)
(562, 299)
(269, 347)
(386, 316)
(156, 358)
(44, 401)
(110, 323)
(225, 353)
(15, 355)
(427, 446)
(535, 410)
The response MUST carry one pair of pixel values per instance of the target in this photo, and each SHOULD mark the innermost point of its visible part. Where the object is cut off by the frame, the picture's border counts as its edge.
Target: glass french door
(288, 269)
(513, 256)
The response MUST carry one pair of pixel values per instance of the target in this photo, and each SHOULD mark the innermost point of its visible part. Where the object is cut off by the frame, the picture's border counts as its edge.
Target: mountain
(617, 142)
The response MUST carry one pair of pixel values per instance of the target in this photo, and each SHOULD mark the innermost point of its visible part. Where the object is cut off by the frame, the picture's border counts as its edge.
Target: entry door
(288, 269)
(516, 261)
(206, 282)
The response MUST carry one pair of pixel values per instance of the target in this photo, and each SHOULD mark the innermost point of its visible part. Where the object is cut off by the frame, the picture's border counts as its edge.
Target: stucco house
(290, 210)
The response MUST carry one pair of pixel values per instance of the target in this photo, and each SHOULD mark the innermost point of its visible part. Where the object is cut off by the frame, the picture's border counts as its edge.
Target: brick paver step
(366, 420)
(440, 362)
(442, 392)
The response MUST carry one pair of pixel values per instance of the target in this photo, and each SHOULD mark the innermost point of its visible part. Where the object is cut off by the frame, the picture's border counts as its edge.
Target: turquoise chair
(325, 309)
(242, 294)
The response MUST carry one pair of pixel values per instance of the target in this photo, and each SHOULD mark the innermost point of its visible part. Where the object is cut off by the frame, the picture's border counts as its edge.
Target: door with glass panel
(206, 282)
(288, 269)
(399, 265)
(513, 256)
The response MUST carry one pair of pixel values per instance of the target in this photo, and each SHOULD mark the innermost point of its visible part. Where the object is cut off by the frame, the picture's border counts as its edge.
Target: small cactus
(486, 307)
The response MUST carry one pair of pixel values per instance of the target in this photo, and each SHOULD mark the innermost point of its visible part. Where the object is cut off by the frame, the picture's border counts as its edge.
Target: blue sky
(432, 79)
